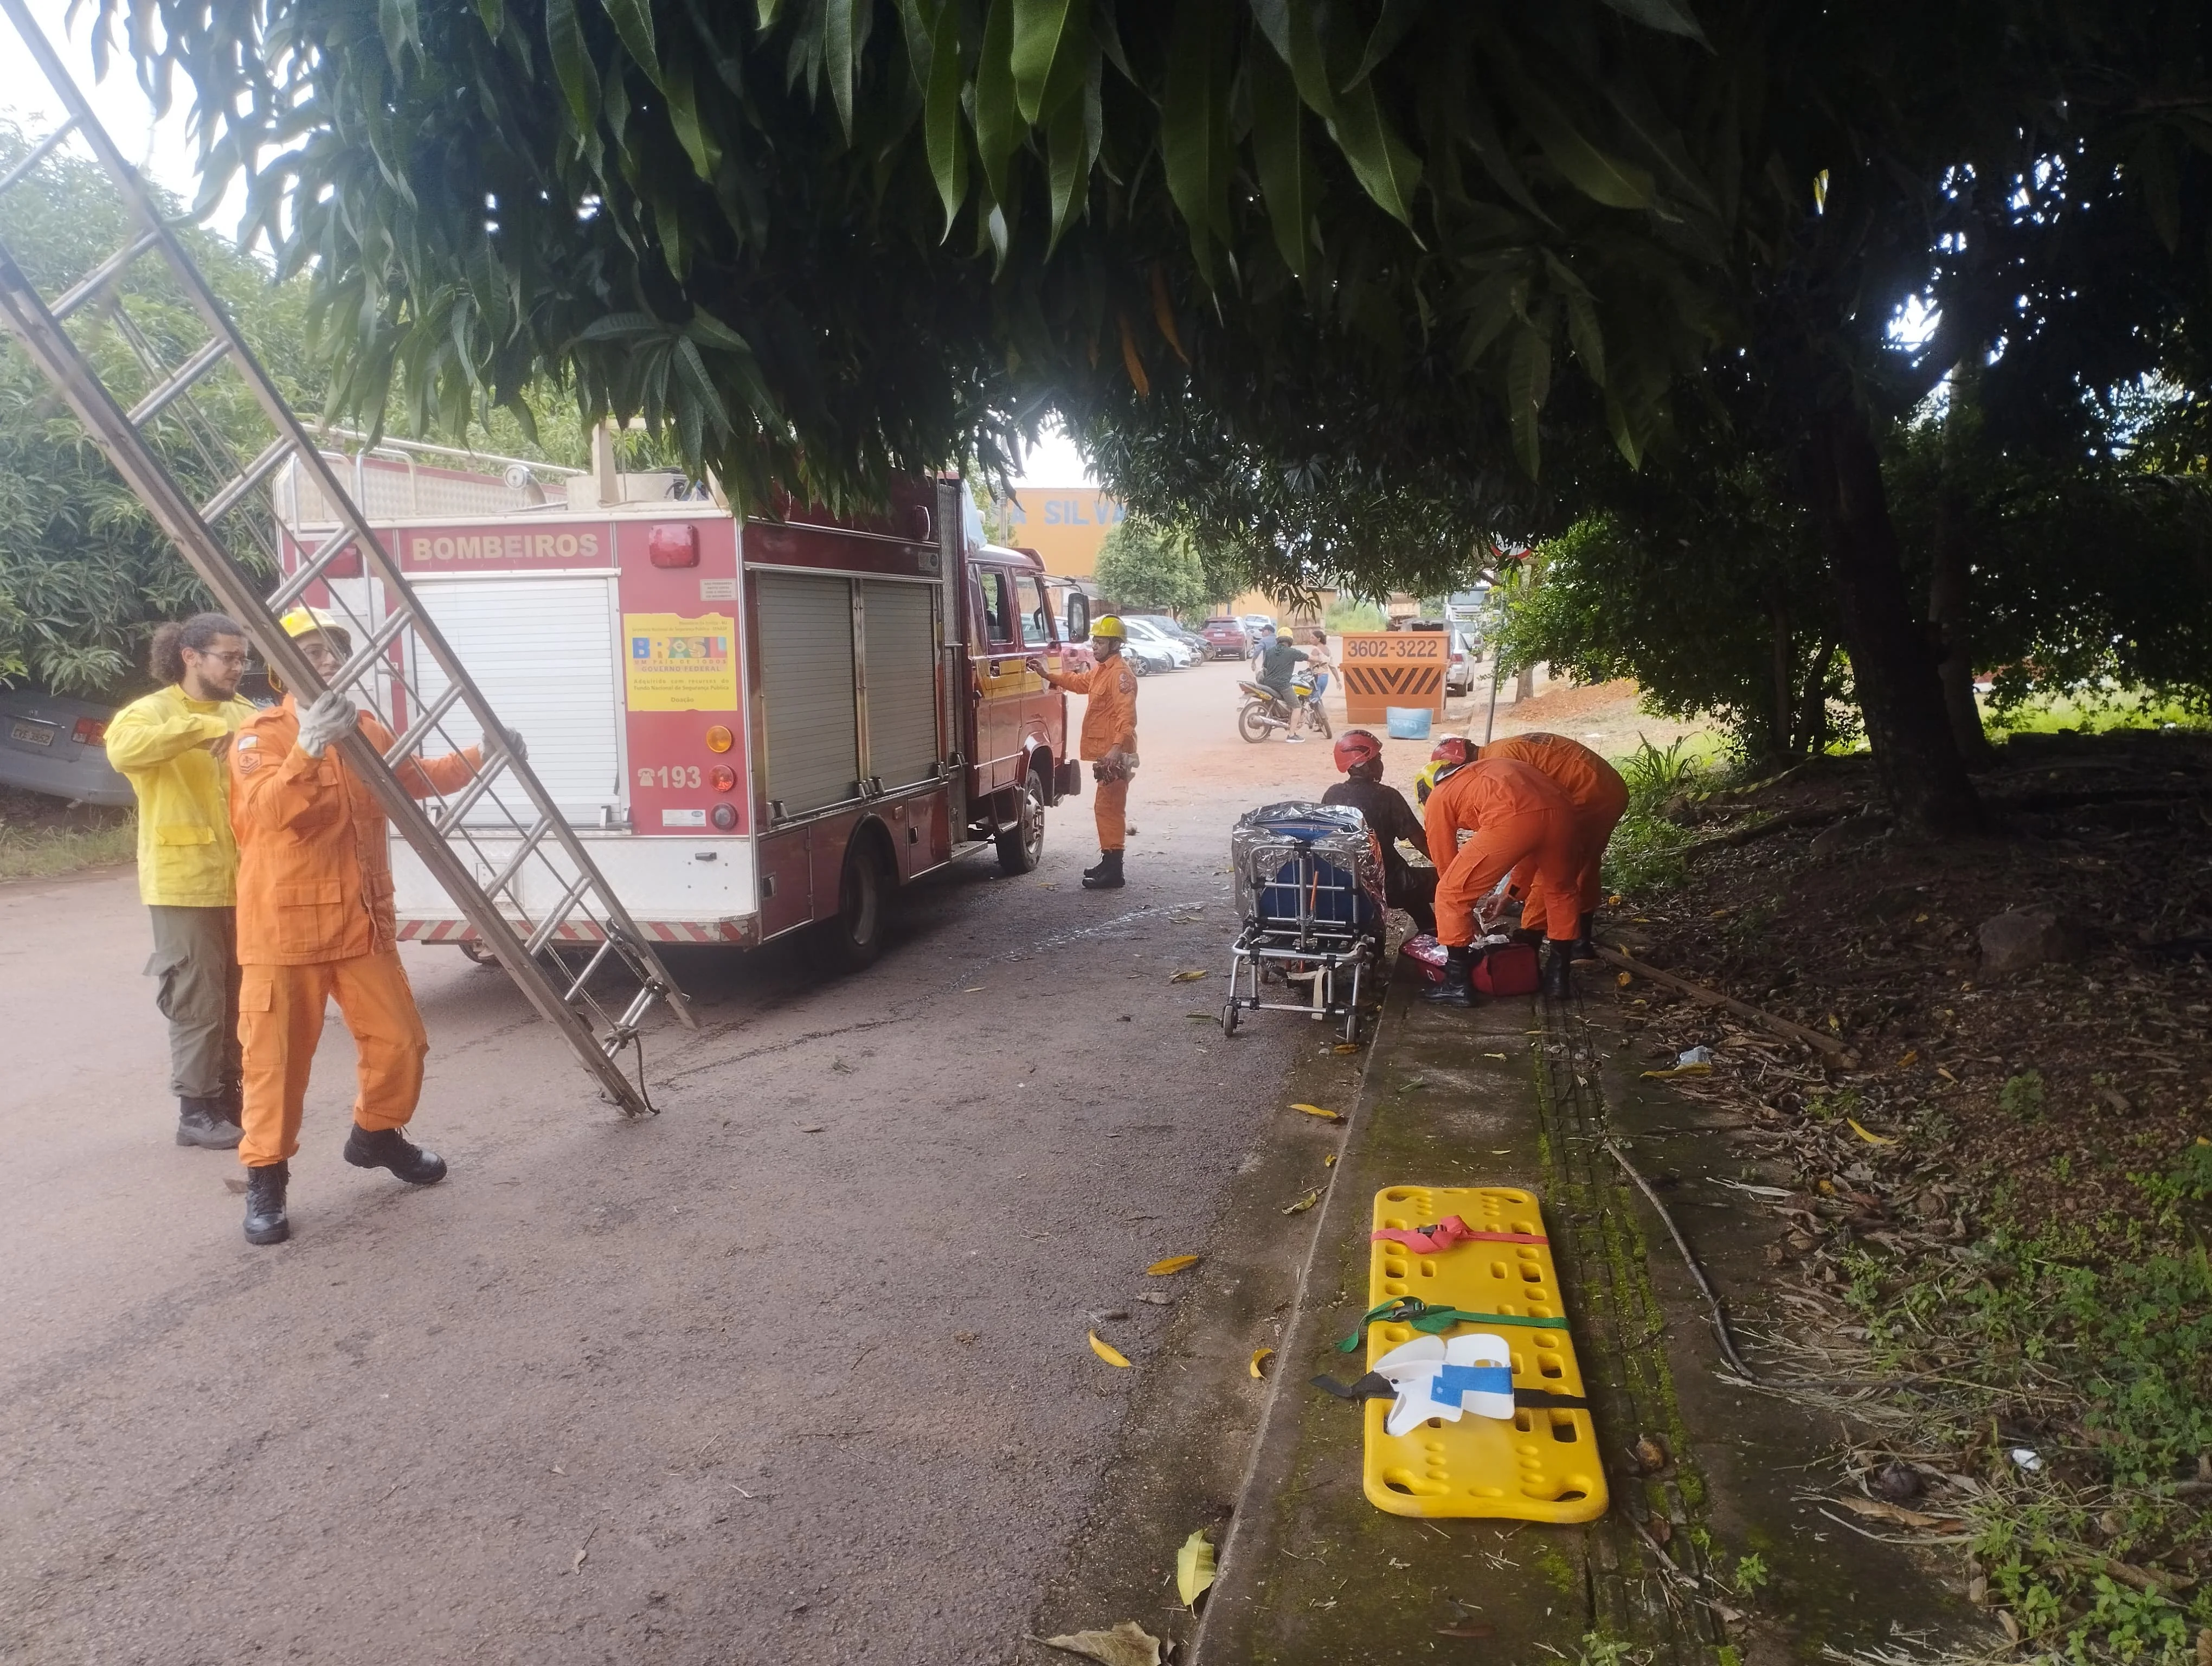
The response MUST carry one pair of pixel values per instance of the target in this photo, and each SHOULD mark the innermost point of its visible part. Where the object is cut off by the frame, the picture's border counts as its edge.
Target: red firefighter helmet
(1356, 746)
(1454, 749)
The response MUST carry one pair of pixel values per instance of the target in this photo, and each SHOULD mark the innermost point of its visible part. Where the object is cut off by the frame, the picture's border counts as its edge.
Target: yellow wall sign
(680, 665)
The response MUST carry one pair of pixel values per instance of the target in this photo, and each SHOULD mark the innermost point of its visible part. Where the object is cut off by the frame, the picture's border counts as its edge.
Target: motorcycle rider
(1278, 665)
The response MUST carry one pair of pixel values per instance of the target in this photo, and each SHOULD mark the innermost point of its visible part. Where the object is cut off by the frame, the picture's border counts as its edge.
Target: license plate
(36, 734)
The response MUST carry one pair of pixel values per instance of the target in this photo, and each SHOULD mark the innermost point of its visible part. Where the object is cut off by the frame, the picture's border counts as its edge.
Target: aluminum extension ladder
(533, 841)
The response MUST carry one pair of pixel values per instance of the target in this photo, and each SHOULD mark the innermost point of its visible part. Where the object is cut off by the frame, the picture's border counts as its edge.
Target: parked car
(1177, 630)
(1225, 639)
(1179, 653)
(1147, 655)
(1459, 671)
(54, 743)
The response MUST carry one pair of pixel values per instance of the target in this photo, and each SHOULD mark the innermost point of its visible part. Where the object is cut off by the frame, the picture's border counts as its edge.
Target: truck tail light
(725, 817)
(719, 740)
(723, 778)
(90, 731)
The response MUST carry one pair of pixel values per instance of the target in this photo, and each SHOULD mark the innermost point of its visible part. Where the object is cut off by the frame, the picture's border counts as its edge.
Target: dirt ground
(796, 1372)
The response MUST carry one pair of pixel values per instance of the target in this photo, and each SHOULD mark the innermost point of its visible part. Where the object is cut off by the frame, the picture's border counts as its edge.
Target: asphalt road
(794, 1373)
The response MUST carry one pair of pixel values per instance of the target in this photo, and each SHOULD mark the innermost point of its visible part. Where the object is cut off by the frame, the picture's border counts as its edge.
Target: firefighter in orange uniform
(1600, 797)
(314, 923)
(1109, 742)
(1519, 819)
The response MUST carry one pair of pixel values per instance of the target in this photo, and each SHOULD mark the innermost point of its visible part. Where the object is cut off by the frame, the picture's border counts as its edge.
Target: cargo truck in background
(760, 726)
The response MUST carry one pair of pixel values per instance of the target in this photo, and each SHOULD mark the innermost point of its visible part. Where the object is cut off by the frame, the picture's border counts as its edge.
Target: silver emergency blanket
(1267, 840)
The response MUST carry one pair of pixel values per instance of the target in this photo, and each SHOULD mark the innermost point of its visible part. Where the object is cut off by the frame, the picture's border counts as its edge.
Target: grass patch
(1646, 855)
(41, 853)
(2089, 712)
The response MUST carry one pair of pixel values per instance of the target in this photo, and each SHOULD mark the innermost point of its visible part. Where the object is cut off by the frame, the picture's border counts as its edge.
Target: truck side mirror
(1078, 617)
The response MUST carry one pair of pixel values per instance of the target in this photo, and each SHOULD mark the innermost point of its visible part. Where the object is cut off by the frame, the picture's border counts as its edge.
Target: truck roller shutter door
(542, 651)
(899, 633)
(807, 683)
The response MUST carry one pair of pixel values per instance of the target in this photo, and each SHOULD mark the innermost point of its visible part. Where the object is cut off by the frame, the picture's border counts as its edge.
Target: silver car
(55, 744)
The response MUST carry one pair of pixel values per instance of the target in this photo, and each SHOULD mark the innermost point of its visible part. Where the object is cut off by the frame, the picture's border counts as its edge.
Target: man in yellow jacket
(170, 747)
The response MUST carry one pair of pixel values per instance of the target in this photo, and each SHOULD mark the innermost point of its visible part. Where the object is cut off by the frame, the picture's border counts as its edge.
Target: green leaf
(1050, 39)
(493, 15)
(632, 20)
(1384, 164)
(947, 148)
(1194, 126)
(1528, 382)
(401, 27)
(1668, 16)
(1288, 26)
(768, 11)
(998, 115)
(919, 51)
(1589, 170)
(1398, 16)
(1583, 331)
(572, 62)
(837, 59)
(1067, 140)
(1278, 143)
(684, 116)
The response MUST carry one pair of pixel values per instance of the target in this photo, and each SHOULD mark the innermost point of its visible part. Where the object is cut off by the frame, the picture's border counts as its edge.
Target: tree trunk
(1777, 721)
(1813, 711)
(1950, 584)
(1892, 662)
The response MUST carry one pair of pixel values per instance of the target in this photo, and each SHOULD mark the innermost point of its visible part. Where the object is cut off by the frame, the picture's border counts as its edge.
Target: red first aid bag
(1508, 970)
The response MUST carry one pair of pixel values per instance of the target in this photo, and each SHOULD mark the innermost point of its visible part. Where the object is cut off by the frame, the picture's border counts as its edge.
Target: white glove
(329, 717)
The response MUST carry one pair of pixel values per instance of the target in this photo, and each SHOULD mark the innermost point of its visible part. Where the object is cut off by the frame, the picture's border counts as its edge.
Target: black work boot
(1458, 988)
(1559, 970)
(205, 1122)
(388, 1148)
(264, 1204)
(1585, 943)
(1107, 876)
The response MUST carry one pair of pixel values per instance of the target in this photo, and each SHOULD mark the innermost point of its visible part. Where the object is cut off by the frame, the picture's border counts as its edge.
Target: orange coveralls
(1520, 820)
(1599, 795)
(1110, 722)
(314, 922)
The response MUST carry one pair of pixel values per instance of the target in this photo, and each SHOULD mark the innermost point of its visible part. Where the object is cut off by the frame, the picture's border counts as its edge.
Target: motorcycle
(1263, 711)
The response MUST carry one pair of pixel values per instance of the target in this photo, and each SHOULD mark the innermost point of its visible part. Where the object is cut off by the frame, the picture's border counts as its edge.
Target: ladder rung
(310, 570)
(102, 275)
(39, 152)
(167, 393)
(256, 471)
(529, 849)
(606, 947)
(464, 801)
(365, 656)
(558, 915)
(420, 727)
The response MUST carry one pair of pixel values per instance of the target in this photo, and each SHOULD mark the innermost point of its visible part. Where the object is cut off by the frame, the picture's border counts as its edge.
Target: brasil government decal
(673, 663)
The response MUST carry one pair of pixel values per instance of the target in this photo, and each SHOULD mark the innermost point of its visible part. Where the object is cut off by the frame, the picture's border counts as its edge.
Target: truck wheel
(1252, 722)
(1021, 846)
(853, 939)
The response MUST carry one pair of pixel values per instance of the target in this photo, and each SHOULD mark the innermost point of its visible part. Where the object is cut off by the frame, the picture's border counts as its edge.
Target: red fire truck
(763, 726)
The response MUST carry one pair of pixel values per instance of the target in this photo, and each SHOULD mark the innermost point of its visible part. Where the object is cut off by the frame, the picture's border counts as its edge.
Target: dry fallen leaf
(1859, 1129)
(1186, 977)
(1160, 1269)
(1623, 979)
(1651, 1453)
(1911, 1058)
(1108, 1351)
(1346, 1047)
(1946, 1075)
(1904, 1517)
(1329, 1161)
(1493, 1055)
(1260, 1357)
(1128, 1644)
(1303, 1204)
(1325, 1115)
(1193, 1568)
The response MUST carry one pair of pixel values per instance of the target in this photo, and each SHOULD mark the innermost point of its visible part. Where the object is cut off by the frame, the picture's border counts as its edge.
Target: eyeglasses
(220, 659)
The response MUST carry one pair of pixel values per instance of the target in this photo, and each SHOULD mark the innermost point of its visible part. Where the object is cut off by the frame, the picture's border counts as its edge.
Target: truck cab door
(1040, 702)
(996, 651)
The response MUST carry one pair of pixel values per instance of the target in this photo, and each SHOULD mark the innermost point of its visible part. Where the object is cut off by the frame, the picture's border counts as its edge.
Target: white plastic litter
(2027, 1457)
(1694, 1055)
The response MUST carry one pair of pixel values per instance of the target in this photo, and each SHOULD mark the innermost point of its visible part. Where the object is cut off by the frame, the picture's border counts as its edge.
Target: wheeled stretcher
(1311, 914)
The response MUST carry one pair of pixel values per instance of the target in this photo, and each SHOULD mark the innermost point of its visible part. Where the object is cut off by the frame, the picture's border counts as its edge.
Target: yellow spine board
(1544, 1465)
